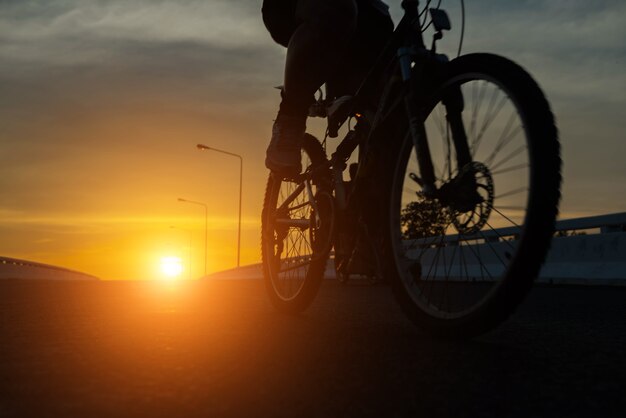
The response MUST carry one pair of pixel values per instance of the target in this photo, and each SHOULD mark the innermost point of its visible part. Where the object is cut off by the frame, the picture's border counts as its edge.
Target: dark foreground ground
(218, 349)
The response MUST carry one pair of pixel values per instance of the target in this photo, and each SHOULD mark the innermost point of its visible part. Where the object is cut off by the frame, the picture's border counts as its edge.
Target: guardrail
(13, 268)
(584, 250)
(615, 222)
(588, 250)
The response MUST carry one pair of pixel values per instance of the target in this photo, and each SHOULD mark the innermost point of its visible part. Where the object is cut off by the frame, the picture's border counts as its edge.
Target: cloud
(50, 22)
(575, 48)
(120, 35)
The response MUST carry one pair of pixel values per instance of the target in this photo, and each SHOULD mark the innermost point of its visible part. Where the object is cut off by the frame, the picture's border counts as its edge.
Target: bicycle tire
(294, 259)
(411, 273)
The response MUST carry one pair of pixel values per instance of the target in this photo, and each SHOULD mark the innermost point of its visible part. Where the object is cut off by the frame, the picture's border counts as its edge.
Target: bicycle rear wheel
(296, 234)
(461, 262)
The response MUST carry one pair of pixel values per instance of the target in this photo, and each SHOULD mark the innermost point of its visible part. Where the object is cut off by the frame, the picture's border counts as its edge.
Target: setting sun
(171, 267)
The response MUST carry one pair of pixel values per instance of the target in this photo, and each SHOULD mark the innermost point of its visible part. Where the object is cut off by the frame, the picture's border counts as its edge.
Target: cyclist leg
(322, 32)
(374, 28)
(316, 48)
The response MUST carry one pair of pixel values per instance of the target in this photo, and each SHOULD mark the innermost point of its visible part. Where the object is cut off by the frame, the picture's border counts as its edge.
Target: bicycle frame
(405, 57)
(405, 44)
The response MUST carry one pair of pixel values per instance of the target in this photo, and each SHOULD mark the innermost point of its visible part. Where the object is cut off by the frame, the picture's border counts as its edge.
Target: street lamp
(207, 148)
(206, 225)
(189, 232)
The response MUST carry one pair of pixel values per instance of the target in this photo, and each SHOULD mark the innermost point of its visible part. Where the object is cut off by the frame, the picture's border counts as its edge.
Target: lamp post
(207, 148)
(189, 232)
(206, 228)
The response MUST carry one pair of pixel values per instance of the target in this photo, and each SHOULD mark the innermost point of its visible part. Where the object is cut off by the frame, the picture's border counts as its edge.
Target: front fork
(453, 102)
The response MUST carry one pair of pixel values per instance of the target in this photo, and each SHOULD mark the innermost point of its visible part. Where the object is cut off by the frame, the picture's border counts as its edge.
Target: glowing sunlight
(171, 267)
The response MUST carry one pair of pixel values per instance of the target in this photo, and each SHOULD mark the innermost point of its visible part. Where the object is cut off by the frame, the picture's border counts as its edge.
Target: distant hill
(13, 268)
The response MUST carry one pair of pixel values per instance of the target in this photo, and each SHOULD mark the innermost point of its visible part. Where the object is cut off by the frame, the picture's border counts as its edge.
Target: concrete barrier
(593, 259)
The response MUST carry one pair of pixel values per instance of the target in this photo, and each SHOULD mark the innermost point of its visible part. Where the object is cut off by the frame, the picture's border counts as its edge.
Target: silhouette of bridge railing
(13, 268)
(591, 249)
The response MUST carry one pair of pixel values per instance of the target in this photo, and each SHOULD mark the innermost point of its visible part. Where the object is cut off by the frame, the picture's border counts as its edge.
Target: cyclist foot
(283, 152)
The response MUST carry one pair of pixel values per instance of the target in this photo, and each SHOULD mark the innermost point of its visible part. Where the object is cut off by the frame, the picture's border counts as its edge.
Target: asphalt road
(116, 349)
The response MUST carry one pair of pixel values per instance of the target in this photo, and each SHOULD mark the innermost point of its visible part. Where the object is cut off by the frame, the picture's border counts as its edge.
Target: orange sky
(102, 104)
(106, 199)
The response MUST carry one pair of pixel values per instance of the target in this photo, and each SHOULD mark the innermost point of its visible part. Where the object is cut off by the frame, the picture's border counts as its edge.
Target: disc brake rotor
(471, 221)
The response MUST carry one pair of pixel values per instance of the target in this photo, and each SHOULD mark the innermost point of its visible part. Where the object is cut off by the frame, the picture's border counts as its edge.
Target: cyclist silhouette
(328, 41)
(454, 158)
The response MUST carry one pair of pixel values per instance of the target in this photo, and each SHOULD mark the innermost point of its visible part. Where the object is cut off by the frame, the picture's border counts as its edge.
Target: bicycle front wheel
(462, 260)
(296, 226)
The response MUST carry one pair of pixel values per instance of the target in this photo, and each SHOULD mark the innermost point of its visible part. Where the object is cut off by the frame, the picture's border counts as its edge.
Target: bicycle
(455, 194)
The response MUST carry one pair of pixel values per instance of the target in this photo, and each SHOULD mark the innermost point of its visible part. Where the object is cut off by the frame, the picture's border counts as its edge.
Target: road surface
(113, 349)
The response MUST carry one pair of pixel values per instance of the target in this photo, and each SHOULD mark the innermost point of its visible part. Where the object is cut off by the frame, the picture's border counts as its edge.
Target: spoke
(290, 271)
(425, 247)
(435, 264)
(429, 244)
(472, 129)
(492, 249)
(481, 95)
(512, 192)
(294, 223)
(447, 274)
(461, 261)
(505, 217)
(508, 169)
(487, 122)
(502, 142)
(297, 253)
(441, 123)
(304, 247)
(438, 119)
(483, 268)
(507, 128)
(509, 157)
(512, 207)
(292, 196)
(501, 237)
(295, 266)
(447, 168)
(435, 257)
(299, 206)
(291, 248)
(297, 244)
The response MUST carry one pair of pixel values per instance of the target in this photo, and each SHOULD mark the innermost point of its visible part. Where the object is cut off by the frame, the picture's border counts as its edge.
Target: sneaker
(283, 152)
